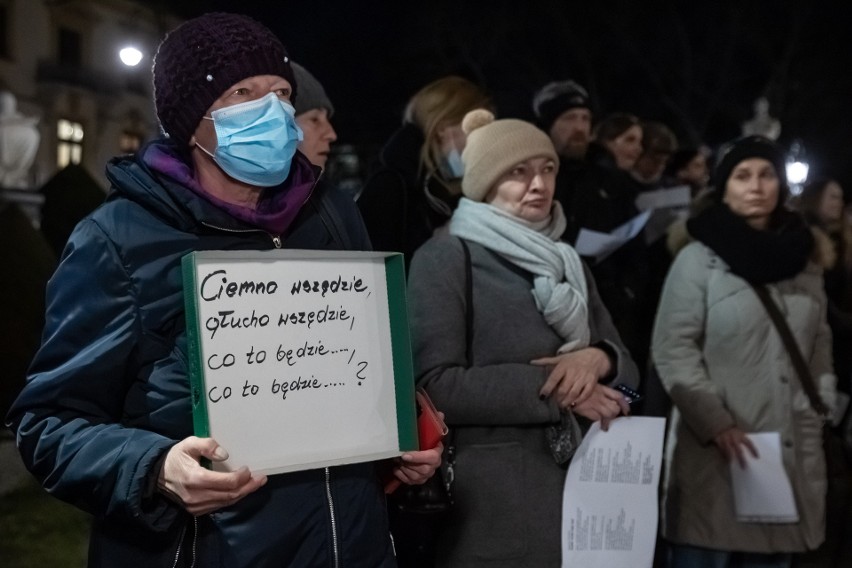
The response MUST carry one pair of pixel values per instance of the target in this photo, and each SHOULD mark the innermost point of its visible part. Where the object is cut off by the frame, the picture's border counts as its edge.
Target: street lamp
(130, 56)
(797, 168)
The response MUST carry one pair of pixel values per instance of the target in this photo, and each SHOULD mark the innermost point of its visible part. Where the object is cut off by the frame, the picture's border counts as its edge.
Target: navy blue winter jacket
(108, 392)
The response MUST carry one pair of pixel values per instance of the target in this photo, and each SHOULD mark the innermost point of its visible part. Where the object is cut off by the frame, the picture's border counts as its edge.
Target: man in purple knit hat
(105, 420)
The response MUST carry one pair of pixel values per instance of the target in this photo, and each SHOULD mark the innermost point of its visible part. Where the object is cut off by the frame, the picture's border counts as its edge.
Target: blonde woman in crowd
(418, 185)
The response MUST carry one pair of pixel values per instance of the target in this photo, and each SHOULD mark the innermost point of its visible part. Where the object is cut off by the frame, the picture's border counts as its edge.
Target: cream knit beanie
(495, 146)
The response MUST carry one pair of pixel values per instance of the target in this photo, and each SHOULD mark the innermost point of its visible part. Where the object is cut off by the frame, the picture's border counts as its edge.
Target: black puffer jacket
(108, 392)
(402, 207)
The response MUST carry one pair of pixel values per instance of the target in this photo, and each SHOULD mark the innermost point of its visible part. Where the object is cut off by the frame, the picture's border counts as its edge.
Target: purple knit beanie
(201, 58)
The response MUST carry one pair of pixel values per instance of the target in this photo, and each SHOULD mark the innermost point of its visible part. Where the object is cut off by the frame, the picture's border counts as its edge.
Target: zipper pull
(276, 240)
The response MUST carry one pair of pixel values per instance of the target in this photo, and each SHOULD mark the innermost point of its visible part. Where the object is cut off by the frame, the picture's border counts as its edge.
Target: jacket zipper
(334, 546)
(180, 543)
(276, 239)
(194, 539)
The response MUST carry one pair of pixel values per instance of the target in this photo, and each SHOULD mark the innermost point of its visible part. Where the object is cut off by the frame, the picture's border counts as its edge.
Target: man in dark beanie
(593, 196)
(563, 110)
(105, 420)
(597, 198)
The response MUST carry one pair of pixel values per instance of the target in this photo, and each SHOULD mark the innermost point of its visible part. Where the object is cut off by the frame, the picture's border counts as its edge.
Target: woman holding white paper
(728, 372)
(542, 348)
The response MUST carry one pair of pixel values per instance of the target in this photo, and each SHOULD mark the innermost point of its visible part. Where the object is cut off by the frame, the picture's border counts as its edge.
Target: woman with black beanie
(729, 373)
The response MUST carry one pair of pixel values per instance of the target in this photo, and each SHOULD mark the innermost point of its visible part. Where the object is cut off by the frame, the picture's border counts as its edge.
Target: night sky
(697, 65)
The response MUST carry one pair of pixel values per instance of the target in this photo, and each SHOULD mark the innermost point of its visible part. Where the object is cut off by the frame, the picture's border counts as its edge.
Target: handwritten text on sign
(296, 358)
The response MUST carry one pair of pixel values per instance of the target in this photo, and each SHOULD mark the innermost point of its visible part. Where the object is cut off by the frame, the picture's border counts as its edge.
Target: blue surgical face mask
(256, 140)
(452, 166)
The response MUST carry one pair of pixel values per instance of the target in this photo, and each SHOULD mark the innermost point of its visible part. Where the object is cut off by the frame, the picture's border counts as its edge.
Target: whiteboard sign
(299, 359)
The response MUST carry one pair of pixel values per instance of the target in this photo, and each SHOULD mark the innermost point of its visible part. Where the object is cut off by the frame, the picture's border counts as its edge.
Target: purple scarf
(277, 206)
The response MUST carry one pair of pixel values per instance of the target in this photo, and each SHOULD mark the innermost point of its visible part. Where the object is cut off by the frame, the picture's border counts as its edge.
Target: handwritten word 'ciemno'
(210, 292)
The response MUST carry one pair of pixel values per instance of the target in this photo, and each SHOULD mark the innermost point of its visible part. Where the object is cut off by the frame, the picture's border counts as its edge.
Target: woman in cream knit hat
(513, 350)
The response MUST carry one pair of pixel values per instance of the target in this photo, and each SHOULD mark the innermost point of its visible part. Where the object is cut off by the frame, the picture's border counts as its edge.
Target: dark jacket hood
(402, 152)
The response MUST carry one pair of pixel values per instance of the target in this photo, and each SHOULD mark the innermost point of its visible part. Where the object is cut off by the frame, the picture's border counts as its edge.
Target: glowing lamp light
(797, 172)
(796, 167)
(797, 175)
(130, 56)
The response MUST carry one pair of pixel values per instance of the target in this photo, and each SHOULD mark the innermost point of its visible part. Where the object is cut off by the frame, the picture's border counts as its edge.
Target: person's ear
(191, 143)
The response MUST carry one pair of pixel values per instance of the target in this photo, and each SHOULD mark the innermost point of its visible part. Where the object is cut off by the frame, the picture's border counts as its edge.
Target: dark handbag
(417, 514)
(564, 439)
(431, 498)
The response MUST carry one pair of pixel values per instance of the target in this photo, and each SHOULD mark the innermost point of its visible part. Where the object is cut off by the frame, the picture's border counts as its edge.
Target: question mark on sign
(362, 365)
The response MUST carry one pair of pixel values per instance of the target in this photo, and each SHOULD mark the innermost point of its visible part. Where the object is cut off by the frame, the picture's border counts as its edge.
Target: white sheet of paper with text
(609, 506)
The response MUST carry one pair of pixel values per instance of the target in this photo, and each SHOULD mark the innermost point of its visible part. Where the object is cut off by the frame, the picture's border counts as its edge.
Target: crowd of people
(517, 337)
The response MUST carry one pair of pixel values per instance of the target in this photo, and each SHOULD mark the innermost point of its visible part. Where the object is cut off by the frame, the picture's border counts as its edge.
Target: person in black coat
(596, 194)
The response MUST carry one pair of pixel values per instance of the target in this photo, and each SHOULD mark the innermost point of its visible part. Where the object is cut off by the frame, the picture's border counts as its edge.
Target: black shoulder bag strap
(468, 316)
(450, 463)
(792, 348)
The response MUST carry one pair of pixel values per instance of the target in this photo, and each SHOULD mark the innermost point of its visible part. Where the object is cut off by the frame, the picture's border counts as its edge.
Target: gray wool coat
(723, 363)
(508, 488)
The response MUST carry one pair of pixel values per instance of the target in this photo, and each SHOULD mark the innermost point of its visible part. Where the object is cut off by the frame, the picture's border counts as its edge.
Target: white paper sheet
(667, 205)
(601, 245)
(609, 506)
(762, 491)
(678, 196)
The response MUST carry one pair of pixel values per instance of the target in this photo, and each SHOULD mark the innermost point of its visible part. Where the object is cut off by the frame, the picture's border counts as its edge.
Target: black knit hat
(201, 58)
(555, 98)
(743, 149)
